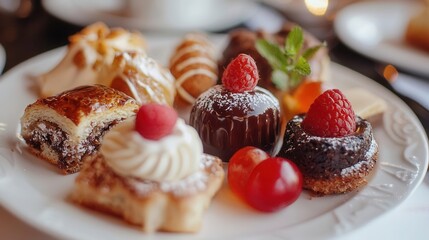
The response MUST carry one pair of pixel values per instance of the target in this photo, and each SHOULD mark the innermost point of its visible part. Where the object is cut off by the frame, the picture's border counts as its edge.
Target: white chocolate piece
(364, 103)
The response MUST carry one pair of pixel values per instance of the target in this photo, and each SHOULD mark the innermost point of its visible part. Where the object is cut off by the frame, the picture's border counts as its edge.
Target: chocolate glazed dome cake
(236, 114)
(228, 121)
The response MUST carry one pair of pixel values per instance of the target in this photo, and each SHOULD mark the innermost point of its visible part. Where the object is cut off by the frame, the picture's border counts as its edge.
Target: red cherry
(241, 165)
(273, 184)
(155, 121)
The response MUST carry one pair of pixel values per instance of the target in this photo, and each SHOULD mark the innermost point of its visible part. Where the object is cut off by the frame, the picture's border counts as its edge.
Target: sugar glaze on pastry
(88, 51)
(194, 66)
(140, 77)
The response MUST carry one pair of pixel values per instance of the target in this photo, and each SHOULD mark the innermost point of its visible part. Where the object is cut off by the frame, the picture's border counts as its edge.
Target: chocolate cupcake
(334, 149)
(331, 164)
(237, 113)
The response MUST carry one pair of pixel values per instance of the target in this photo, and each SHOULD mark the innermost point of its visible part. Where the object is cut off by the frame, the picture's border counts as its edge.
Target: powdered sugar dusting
(218, 97)
(334, 143)
(330, 156)
(367, 161)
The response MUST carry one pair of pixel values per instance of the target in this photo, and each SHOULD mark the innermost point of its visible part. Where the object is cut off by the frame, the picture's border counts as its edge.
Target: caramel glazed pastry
(194, 66)
(140, 77)
(331, 165)
(111, 57)
(67, 128)
(88, 51)
(160, 185)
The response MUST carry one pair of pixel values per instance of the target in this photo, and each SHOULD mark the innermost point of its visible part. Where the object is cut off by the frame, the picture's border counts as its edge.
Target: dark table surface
(38, 32)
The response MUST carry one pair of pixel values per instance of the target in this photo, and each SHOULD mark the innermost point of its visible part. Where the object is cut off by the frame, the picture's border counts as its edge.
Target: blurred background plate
(155, 15)
(377, 30)
(2, 58)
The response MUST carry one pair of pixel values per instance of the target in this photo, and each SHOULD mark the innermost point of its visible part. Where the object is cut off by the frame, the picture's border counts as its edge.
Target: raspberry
(155, 121)
(330, 115)
(241, 74)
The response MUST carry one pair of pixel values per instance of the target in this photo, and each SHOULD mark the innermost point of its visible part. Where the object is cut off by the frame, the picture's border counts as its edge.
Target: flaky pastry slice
(166, 206)
(66, 128)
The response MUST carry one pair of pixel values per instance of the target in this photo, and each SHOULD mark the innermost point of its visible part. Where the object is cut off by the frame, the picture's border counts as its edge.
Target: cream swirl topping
(169, 159)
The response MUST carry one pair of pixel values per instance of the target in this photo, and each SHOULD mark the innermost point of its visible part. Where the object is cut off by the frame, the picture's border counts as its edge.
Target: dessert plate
(377, 30)
(81, 12)
(32, 189)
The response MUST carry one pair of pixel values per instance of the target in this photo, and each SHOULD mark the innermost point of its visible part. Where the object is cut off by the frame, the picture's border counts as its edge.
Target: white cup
(179, 13)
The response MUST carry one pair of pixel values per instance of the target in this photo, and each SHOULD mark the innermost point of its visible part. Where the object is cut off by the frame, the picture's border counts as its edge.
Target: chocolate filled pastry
(140, 77)
(66, 128)
(194, 66)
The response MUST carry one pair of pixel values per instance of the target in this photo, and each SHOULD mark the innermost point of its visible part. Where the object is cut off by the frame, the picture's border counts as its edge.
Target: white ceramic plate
(376, 29)
(2, 58)
(83, 12)
(36, 193)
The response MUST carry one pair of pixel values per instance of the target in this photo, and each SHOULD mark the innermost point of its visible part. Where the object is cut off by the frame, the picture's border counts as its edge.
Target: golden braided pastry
(194, 66)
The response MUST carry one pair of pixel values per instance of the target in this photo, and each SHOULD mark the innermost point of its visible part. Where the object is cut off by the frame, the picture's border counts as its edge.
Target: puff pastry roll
(194, 66)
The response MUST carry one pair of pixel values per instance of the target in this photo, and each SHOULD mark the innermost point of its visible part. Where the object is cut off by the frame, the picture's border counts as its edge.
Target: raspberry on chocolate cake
(334, 149)
(238, 113)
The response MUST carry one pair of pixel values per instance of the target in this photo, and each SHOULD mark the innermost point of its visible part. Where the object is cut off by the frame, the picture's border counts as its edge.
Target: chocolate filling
(324, 157)
(69, 155)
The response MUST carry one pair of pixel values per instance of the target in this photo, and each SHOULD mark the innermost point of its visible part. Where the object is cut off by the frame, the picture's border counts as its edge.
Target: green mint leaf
(289, 62)
(280, 79)
(302, 67)
(294, 41)
(310, 52)
(272, 53)
(294, 79)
